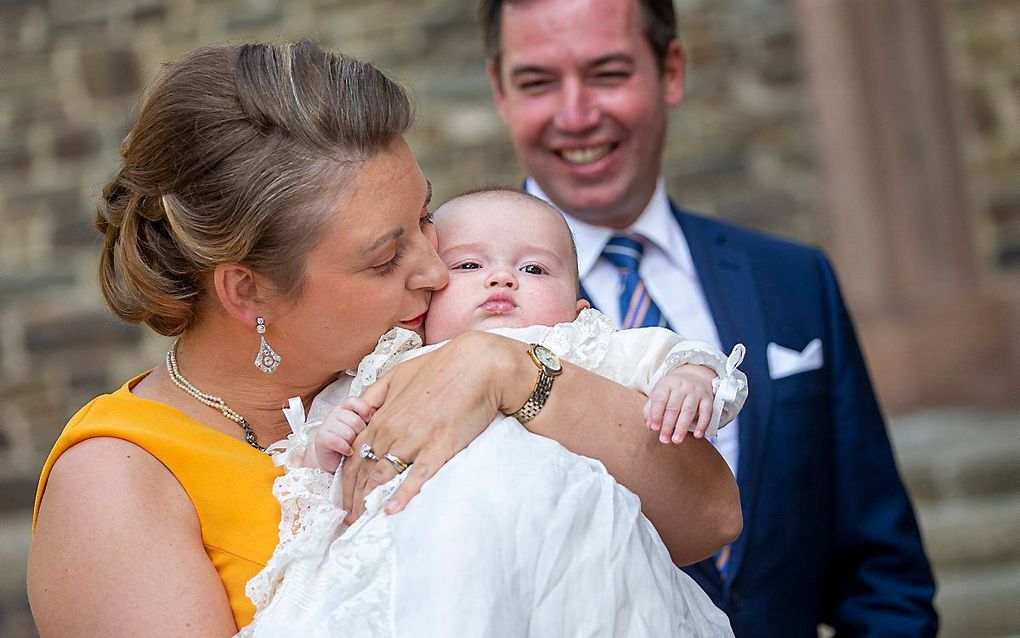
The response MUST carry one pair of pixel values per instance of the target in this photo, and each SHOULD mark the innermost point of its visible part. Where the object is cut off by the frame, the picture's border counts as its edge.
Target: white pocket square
(783, 361)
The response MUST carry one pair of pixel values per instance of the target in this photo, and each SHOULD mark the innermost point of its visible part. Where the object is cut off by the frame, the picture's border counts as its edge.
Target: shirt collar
(656, 224)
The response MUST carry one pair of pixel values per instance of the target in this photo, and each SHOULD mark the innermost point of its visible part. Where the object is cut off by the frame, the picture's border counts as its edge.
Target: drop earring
(266, 360)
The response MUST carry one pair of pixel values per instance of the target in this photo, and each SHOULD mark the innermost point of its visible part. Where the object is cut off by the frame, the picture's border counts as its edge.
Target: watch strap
(540, 391)
(535, 402)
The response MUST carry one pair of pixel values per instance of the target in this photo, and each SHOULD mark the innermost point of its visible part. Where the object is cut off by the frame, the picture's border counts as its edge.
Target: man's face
(580, 90)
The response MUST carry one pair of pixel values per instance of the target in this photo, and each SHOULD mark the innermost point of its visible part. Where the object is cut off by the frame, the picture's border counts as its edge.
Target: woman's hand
(428, 409)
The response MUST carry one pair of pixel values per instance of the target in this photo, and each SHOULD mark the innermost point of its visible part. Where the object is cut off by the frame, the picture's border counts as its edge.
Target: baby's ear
(582, 304)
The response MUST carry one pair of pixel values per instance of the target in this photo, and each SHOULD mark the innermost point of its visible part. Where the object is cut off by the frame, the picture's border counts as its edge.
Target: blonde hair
(230, 160)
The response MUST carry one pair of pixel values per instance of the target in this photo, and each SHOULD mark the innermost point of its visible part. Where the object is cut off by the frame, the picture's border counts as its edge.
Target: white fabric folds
(514, 537)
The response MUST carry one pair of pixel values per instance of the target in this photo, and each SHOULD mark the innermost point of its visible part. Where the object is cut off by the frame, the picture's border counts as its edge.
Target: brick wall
(740, 147)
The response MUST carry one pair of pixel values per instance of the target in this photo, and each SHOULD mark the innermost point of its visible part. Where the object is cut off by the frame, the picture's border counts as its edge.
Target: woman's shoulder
(113, 517)
(101, 455)
(110, 474)
(111, 491)
(117, 429)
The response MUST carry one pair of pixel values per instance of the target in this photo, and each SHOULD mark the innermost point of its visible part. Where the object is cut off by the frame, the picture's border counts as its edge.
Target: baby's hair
(509, 192)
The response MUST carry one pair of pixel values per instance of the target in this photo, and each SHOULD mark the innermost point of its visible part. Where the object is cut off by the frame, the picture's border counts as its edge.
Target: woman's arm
(431, 407)
(687, 491)
(117, 550)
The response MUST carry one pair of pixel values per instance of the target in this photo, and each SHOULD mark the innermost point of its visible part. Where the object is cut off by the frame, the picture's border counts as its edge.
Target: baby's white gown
(514, 536)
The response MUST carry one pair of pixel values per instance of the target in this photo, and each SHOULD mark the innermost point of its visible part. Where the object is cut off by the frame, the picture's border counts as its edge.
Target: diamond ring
(366, 452)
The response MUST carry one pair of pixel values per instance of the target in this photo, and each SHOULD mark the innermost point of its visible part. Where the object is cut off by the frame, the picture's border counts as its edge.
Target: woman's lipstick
(413, 324)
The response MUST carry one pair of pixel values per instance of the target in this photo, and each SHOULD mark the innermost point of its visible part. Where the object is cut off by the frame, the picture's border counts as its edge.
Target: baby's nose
(502, 279)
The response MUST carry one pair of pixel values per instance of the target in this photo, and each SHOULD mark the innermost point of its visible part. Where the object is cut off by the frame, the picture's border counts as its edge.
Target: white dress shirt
(667, 271)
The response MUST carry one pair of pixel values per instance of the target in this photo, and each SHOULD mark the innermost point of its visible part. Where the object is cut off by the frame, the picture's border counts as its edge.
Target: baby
(528, 277)
(516, 535)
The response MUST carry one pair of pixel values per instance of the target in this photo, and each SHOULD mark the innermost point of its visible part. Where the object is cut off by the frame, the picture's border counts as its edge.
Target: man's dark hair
(658, 15)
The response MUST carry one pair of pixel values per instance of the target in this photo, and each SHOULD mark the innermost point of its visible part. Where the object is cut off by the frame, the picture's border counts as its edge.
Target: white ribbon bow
(726, 387)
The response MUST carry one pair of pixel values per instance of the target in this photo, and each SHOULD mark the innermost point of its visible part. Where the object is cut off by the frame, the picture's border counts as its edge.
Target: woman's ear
(582, 304)
(241, 292)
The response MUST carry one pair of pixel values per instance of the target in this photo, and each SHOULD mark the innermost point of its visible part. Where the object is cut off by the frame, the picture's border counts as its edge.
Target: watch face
(548, 359)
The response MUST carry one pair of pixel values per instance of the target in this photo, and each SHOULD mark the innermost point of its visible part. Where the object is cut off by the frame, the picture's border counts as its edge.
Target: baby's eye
(533, 269)
(428, 218)
(468, 265)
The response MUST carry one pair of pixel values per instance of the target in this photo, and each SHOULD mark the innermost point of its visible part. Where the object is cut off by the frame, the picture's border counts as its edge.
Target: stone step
(951, 453)
(979, 602)
(972, 531)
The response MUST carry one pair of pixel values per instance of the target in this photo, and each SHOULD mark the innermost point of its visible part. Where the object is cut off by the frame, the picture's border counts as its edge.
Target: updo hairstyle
(229, 161)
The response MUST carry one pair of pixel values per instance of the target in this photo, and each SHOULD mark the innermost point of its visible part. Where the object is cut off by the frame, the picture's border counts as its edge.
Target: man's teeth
(586, 155)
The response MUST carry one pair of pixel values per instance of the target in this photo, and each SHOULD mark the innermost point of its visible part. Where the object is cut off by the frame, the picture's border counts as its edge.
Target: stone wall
(984, 56)
(741, 147)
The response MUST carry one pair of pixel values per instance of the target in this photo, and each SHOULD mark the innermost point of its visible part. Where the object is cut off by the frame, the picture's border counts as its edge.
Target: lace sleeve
(729, 386)
(306, 511)
(386, 355)
(583, 341)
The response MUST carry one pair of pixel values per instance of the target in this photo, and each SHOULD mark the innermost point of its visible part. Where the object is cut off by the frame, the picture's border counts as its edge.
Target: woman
(269, 208)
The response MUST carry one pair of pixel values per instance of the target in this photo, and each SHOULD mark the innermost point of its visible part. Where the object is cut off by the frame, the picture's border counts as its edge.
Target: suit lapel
(728, 284)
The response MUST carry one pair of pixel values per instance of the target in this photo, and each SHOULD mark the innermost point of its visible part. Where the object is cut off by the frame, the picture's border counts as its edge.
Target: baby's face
(510, 266)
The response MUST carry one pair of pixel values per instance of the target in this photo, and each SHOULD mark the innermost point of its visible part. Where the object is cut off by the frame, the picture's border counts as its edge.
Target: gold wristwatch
(548, 369)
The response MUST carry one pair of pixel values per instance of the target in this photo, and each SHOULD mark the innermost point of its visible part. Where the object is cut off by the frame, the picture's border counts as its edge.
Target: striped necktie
(637, 310)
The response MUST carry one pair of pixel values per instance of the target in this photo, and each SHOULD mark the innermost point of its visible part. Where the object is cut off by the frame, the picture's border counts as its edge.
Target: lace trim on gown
(583, 341)
(317, 549)
(395, 342)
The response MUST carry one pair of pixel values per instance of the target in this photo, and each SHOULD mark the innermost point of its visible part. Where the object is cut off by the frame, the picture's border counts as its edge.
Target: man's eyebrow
(612, 58)
(388, 237)
(609, 58)
(528, 69)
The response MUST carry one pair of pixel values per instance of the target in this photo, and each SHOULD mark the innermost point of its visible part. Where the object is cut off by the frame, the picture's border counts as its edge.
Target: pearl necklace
(208, 399)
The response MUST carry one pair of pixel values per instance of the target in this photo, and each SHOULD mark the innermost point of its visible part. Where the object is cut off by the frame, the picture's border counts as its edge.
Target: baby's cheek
(440, 322)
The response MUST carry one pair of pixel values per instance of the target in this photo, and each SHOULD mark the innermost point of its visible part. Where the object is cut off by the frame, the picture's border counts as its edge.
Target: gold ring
(397, 463)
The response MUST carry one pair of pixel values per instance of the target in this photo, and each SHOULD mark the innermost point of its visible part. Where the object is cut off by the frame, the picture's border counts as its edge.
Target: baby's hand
(334, 437)
(682, 397)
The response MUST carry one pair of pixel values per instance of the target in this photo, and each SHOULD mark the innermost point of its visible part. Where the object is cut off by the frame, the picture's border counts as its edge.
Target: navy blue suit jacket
(829, 533)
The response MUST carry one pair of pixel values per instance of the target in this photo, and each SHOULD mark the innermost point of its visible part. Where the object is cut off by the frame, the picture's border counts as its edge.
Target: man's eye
(533, 269)
(468, 265)
(533, 85)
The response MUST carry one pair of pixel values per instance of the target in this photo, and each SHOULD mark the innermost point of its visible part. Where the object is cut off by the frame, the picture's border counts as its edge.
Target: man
(584, 87)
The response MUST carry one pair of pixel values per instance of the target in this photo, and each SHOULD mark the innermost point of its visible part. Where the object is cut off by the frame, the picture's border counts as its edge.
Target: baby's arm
(680, 401)
(655, 361)
(728, 388)
(332, 440)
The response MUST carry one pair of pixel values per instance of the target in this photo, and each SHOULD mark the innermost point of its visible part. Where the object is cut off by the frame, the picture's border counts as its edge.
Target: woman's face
(375, 268)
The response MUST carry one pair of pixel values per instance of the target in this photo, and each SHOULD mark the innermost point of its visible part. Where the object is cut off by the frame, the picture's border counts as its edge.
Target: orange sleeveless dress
(229, 483)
